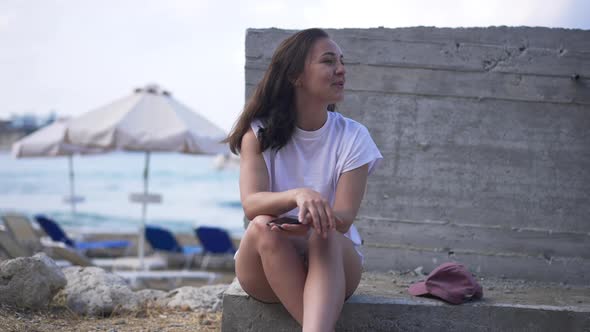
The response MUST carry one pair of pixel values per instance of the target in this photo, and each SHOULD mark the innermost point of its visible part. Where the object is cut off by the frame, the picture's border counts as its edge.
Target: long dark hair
(273, 101)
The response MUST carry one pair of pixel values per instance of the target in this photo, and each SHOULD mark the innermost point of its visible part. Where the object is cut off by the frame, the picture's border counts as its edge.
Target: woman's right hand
(315, 210)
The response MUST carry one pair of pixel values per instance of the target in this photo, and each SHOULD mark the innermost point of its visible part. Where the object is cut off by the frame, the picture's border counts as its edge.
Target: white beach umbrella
(147, 120)
(49, 141)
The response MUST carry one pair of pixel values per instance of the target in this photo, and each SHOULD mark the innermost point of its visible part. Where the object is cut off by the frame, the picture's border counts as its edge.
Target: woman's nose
(340, 69)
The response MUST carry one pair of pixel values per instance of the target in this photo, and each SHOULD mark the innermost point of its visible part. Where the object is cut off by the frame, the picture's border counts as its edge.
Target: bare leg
(269, 268)
(334, 273)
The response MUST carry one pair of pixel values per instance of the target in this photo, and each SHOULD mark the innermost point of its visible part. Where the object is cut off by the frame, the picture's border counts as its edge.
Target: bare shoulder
(250, 144)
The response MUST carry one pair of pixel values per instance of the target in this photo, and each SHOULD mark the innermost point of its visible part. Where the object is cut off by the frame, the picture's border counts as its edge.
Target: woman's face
(323, 77)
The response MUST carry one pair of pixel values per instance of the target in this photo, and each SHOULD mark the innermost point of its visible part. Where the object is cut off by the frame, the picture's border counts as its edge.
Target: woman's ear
(296, 81)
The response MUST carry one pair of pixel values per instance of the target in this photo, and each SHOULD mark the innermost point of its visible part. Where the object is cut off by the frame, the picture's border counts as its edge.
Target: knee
(266, 240)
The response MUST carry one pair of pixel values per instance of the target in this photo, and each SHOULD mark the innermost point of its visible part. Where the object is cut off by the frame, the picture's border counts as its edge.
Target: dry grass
(149, 318)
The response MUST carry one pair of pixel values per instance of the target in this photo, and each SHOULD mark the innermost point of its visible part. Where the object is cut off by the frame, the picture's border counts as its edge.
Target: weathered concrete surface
(491, 251)
(484, 131)
(382, 304)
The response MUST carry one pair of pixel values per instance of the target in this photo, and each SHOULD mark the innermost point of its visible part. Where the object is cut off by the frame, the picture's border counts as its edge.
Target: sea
(194, 192)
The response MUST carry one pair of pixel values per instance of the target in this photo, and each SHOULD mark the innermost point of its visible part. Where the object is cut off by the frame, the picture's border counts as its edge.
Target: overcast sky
(72, 56)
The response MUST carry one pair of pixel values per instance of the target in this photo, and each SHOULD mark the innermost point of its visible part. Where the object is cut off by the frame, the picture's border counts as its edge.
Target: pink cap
(450, 282)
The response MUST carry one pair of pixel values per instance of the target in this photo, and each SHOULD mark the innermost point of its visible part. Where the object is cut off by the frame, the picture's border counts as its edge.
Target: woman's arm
(254, 183)
(349, 194)
(257, 200)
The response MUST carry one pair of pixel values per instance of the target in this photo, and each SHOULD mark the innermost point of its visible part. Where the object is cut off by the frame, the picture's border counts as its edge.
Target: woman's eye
(329, 61)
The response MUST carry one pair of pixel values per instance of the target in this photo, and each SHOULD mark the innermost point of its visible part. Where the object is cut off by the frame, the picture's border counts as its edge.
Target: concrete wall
(486, 139)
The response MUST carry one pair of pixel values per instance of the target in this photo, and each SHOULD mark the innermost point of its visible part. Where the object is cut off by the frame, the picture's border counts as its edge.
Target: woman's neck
(310, 115)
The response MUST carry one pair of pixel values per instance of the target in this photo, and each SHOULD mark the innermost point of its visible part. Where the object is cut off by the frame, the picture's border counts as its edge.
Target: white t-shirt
(316, 159)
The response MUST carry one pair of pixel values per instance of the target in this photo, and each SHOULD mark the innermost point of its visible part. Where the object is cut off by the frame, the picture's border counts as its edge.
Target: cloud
(453, 13)
(270, 8)
(4, 22)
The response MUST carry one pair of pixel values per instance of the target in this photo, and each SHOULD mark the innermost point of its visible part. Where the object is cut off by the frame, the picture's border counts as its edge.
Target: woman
(300, 158)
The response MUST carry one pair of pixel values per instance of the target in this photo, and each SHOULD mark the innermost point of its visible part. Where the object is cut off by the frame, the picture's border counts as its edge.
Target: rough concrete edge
(236, 290)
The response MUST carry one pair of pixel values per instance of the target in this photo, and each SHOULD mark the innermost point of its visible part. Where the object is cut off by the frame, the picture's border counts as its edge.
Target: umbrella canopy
(147, 120)
(49, 141)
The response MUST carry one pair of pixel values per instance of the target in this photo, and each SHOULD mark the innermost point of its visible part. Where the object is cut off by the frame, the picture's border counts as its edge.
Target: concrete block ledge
(382, 303)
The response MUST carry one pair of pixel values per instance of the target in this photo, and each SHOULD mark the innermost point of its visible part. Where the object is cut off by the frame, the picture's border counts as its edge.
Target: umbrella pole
(146, 171)
(72, 191)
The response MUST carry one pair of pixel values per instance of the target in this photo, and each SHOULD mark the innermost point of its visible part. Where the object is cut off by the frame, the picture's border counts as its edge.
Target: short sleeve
(256, 124)
(361, 150)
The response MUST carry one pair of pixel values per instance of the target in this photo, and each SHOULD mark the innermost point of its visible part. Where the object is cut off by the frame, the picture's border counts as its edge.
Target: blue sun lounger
(164, 241)
(215, 241)
(56, 233)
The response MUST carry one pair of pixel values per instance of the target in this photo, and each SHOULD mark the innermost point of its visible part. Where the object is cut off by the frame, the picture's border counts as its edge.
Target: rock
(145, 296)
(92, 291)
(30, 282)
(418, 271)
(203, 298)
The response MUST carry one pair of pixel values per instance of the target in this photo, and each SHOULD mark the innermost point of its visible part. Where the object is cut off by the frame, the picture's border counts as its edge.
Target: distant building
(31, 122)
(21, 125)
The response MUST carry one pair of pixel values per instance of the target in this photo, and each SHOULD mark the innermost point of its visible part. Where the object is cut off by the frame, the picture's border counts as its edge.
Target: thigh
(249, 270)
(352, 263)
(353, 267)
